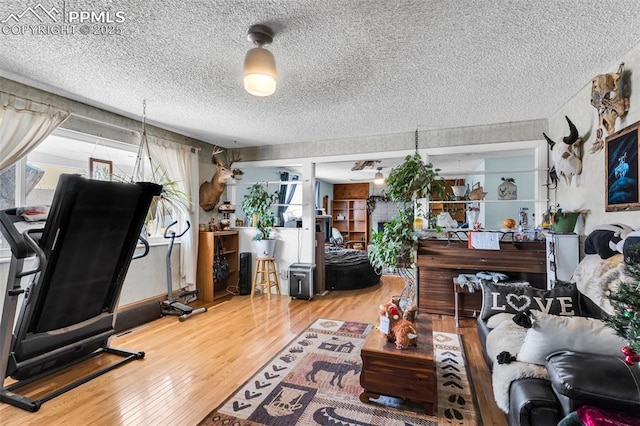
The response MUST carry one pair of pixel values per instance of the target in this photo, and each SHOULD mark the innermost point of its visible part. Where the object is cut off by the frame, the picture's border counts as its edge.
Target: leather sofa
(576, 379)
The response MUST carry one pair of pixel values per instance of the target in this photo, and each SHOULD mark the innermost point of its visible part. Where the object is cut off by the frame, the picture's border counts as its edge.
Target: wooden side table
(403, 373)
(457, 290)
(456, 299)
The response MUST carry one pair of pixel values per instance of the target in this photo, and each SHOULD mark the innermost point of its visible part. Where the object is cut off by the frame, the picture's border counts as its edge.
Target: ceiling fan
(377, 179)
(362, 164)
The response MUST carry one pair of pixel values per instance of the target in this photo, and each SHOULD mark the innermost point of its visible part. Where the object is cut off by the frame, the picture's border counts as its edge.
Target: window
(295, 207)
(33, 180)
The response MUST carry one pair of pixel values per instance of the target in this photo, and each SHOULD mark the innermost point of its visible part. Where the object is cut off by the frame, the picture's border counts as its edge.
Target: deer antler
(216, 150)
(234, 158)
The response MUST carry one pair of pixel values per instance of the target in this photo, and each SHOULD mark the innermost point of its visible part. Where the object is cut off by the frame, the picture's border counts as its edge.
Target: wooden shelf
(491, 172)
(354, 225)
(208, 289)
(350, 203)
(486, 201)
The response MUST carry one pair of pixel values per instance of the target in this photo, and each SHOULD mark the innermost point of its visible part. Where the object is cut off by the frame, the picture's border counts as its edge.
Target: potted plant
(395, 246)
(257, 204)
(562, 221)
(170, 201)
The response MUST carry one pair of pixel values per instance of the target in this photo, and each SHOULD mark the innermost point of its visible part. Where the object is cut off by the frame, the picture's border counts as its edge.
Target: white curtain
(179, 162)
(23, 125)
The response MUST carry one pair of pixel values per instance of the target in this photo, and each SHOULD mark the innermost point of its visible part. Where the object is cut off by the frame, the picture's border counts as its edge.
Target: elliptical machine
(172, 306)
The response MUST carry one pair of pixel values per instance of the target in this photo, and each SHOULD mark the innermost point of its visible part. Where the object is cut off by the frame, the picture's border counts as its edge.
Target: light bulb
(260, 73)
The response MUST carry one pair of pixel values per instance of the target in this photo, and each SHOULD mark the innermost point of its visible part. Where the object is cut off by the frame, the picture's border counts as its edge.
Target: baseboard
(138, 313)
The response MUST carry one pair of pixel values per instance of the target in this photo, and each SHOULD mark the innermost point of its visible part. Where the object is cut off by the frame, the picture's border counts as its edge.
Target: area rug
(315, 380)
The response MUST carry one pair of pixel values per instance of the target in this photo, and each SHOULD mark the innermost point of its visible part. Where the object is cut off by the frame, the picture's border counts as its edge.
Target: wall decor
(507, 190)
(100, 169)
(611, 98)
(567, 156)
(621, 180)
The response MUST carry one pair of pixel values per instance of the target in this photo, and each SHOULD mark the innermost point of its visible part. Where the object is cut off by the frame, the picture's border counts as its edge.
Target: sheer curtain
(180, 163)
(23, 125)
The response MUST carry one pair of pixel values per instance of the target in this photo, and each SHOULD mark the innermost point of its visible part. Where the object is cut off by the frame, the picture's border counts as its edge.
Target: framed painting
(621, 180)
(100, 169)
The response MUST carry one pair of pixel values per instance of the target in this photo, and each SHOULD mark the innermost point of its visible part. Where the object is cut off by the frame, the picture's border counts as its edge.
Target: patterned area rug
(315, 380)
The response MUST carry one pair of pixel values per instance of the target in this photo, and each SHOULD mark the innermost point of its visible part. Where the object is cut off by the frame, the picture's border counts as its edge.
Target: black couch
(576, 379)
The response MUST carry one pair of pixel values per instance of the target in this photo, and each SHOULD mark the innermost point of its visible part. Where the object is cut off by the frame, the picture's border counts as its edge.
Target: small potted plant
(562, 221)
(257, 204)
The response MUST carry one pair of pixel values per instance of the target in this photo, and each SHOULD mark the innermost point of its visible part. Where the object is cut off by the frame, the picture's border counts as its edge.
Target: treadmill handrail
(42, 259)
(13, 237)
(145, 243)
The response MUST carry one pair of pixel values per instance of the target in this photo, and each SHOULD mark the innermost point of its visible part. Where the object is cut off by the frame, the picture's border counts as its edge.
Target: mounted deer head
(210, 192)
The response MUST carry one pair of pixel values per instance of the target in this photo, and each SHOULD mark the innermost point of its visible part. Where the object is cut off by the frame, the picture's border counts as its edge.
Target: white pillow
(552, 333)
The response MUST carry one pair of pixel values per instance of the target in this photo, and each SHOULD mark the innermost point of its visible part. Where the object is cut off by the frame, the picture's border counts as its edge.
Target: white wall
(289, 249)
(587, 191)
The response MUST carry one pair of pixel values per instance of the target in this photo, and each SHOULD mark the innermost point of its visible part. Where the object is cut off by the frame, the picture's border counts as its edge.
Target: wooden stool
(265, 267)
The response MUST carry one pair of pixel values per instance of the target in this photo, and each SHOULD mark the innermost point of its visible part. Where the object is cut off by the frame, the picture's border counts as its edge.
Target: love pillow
(517, 297)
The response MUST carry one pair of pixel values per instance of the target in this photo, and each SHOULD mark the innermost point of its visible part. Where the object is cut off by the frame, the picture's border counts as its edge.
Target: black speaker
(244, 283)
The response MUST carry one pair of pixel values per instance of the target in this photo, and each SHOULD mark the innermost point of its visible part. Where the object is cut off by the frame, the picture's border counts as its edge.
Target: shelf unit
(456, 209)
(208, 289)
(531, 177)
(487, 201)
(491, 172)
(351, 219)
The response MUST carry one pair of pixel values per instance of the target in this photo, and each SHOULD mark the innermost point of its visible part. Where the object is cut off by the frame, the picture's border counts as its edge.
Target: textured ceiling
(346, 68)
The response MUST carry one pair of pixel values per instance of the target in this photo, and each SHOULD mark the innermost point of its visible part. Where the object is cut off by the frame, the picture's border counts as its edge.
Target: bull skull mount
(567, 156)
(210, 191)
(608, 98)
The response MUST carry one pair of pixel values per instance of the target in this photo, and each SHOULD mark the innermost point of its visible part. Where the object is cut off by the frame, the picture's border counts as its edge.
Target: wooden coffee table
(409, 374)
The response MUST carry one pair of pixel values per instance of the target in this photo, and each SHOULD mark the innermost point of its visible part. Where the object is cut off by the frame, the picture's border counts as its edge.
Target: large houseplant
(257, 205)
(394, 247)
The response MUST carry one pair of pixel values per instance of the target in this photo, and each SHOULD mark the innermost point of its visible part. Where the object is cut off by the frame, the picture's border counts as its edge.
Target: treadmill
(81, 255)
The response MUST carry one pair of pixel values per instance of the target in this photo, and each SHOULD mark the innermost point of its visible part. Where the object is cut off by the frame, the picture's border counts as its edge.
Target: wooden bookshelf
(208, 289)
(351, 219)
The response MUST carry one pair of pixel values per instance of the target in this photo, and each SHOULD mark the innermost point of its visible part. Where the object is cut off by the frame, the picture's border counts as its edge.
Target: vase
(265, 248)
(565, 222)
(472, 217)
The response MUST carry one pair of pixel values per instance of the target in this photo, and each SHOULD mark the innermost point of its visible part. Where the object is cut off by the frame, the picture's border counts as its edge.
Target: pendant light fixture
(260, 73)
(378, 179)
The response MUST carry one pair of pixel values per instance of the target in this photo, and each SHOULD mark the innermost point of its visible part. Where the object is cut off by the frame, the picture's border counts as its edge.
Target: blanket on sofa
(596, 278)
(508, 336)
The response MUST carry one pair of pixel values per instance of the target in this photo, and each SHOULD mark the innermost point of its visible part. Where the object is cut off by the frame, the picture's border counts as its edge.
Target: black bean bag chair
(348, 270)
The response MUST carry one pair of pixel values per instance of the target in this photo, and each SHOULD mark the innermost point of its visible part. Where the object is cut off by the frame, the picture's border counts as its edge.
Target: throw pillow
(603, 239)
(552, 333)
(517, 297)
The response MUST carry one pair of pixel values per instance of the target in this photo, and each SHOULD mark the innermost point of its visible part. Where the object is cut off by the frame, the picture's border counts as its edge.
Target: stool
(265, 267)
(457, 290)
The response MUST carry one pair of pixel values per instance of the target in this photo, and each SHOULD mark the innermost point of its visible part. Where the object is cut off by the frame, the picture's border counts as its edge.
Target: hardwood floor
(191, 367)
